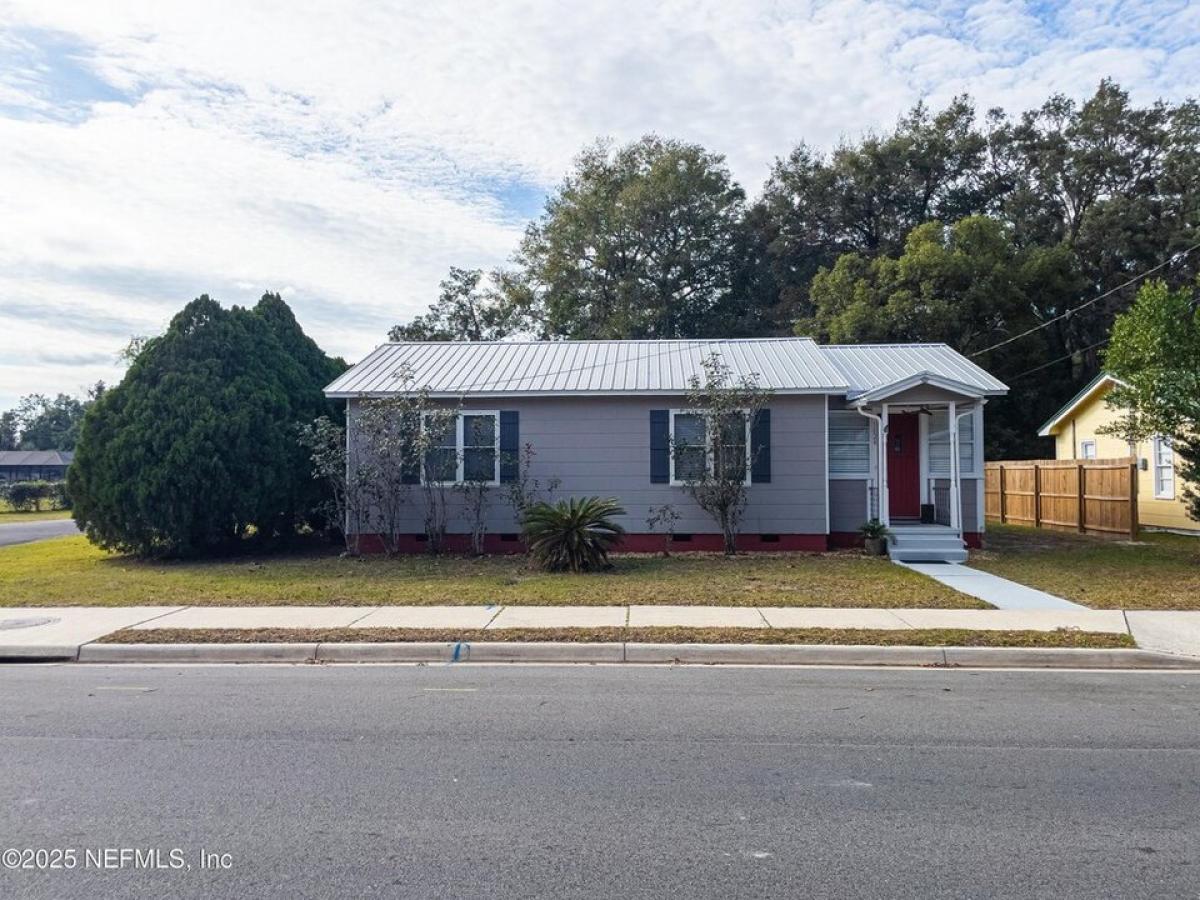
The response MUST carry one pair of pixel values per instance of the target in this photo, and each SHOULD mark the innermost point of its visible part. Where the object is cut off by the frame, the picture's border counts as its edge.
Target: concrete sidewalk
(50, 631)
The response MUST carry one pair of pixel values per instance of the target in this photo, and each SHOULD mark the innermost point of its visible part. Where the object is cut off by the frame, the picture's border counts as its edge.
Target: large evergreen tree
(196, 448)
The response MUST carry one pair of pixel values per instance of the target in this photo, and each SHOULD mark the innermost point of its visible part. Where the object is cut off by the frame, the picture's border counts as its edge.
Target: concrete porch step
(924, 554)
(926, 543)
(923, 540)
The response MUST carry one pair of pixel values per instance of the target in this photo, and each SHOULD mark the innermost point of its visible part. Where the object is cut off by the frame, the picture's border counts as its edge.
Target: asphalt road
(512, 781)
(24, 532)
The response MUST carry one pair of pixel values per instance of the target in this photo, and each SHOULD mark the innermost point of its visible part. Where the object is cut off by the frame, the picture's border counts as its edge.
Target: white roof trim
(918, 380)
(1102, 380)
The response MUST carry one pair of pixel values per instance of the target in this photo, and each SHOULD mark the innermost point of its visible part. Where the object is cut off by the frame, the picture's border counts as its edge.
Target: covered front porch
(926, 452)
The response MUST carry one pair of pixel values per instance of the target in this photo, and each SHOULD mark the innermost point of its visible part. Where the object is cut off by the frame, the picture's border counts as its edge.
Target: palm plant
(572, 535)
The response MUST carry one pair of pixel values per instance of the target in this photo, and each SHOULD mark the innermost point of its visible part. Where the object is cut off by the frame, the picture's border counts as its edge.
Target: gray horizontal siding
(601, 446)
(847, 504)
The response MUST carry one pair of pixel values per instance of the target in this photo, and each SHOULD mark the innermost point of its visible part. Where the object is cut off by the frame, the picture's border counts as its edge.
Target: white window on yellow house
(1087, 449)
(1164, 469)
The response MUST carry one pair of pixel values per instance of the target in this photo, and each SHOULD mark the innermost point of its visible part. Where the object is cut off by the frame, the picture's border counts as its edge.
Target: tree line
(46, 423)
(952, 226)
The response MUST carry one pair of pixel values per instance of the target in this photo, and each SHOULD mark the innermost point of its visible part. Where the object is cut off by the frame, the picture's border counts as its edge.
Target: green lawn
(70, 571)
(1160, 571)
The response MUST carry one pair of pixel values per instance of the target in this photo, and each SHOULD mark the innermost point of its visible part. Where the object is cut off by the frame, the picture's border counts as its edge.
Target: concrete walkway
(60, 631)
(1000, 592)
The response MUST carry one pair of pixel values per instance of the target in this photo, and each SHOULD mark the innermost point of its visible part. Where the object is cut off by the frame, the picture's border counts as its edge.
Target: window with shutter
(464, 448)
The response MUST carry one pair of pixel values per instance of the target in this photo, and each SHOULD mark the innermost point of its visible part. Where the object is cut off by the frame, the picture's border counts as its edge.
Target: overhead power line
(1071, 312)
(1060, 359)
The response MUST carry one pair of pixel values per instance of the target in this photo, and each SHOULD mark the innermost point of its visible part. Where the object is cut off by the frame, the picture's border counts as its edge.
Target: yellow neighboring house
(1075, 431)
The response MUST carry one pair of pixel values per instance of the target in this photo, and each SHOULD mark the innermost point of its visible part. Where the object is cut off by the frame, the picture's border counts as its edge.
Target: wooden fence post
(1133, 501)
(1037, 496)
(1003, 505)
(1081, 491)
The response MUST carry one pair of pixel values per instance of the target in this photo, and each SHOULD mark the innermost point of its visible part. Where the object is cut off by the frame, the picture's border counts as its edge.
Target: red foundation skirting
(495, 544)
(842, 540)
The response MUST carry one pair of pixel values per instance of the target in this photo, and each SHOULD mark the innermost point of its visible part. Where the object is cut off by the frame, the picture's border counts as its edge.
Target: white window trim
(1156, 445)
(675, 482)
(851, 476)
(976, 468)
(1083, 449)
(460, 447)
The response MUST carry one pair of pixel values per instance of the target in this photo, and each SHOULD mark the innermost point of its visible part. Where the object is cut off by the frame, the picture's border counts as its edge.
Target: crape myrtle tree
(403, 445)
(1155, 351)
(325, 442)
(195, 450)
(712, 448)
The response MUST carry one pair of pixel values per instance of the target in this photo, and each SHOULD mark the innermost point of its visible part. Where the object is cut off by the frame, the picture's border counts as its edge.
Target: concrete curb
(1062, 657)
(189, 653)
(38, 652)
(684, 654)
(783, 654)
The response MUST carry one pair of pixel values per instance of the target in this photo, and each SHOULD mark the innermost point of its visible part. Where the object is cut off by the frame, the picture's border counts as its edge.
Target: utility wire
(1060, 359)
(1071, 312)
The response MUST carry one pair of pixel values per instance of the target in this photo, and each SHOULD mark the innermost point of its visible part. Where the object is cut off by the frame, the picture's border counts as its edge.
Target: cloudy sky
(347, 153)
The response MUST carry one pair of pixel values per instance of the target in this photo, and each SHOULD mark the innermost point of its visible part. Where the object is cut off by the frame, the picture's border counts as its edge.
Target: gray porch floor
(1000, 592)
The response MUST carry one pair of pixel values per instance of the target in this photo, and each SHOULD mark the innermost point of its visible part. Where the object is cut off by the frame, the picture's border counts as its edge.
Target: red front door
(904, 466)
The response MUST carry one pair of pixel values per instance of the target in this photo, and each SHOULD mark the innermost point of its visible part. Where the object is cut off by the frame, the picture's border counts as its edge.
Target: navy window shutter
(510, 445)
(760, 448)
(660, 446)
(410, 466)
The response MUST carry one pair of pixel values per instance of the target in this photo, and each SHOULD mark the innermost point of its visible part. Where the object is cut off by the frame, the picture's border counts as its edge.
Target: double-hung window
(1164, 468)
(697, 449)
(939, 444)
(1087, 449)
(849, 444)
(462, 448)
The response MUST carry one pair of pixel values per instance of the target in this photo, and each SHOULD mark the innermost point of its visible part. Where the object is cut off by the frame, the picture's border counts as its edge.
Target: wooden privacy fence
(1092, 495)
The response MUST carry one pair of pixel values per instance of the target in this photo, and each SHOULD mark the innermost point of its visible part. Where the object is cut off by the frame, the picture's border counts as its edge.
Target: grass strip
(917, 637)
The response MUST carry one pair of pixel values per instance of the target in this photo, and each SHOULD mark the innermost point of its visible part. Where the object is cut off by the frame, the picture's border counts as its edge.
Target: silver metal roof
(866, 367)
(783, 365)
(36, 457)
(550, 368)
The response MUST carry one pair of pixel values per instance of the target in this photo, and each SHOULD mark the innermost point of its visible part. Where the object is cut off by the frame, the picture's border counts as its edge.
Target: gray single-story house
(34, 465)
(850, 433)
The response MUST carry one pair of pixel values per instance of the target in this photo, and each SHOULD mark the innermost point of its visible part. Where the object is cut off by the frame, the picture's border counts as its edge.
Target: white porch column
(955, 489)
(884, 512)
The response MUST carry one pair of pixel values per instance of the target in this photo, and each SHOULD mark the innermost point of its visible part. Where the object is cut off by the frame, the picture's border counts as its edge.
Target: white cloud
(352, 151)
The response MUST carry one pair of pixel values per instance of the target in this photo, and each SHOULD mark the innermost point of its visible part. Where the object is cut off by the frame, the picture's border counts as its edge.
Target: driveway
(24, 532)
